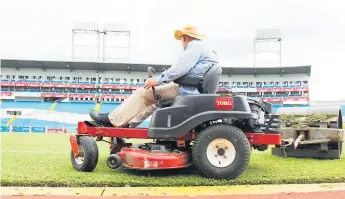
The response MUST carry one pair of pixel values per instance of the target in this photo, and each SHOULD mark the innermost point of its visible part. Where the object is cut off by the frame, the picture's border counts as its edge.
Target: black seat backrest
(211, 79)
(209, 83)
(205, 85)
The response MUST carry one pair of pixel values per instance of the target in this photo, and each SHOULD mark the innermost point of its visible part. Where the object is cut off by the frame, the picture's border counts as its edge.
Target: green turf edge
(211, 182)
(264, 168)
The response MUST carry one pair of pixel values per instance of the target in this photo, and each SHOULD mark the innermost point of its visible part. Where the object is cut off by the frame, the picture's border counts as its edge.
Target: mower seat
(211, 80)
(206, 85)
(166, 103)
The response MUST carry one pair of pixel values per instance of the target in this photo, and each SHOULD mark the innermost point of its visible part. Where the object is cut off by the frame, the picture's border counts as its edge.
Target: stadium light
(91, 26)
(268, 36)
(115, 27)
(112, 30)
(82, 29)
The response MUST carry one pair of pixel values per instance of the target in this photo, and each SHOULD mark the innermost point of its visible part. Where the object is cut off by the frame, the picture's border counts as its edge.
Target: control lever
(151, 72)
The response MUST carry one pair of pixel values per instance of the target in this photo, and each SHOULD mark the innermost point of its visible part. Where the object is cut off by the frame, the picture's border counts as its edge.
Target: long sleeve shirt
(195, 61)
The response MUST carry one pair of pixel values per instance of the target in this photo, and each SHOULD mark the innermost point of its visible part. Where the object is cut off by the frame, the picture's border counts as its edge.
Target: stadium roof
(18, 64)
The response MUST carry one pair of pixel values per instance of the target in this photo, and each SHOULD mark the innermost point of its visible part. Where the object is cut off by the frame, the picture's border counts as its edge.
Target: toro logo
(224, 103)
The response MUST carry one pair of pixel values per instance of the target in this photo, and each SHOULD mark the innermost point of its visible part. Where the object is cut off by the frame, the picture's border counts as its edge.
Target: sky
(312, 31)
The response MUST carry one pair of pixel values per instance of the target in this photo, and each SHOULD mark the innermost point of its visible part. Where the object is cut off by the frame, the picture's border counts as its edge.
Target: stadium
(51, 96)
(43, 102)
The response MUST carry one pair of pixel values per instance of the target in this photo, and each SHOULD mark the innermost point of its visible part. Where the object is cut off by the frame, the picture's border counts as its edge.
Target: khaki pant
(141, 104)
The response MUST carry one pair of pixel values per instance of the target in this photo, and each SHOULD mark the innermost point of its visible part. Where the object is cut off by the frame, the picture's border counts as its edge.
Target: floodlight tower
(83, 30)
(268, 36)
(113, 31)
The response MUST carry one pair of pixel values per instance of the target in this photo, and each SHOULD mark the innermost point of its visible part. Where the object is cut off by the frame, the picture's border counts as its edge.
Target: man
(195, 61)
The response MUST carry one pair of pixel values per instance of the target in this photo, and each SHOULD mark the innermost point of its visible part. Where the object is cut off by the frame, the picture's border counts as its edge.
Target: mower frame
(87, 128)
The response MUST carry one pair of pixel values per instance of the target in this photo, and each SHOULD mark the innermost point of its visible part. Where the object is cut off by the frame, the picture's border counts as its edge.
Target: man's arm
(186, 62)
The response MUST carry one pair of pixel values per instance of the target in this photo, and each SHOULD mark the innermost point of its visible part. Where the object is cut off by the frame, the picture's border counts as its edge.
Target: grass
(44, 160)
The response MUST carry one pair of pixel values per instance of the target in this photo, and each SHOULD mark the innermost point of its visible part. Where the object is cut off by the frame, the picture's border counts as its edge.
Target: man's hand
(150, 82)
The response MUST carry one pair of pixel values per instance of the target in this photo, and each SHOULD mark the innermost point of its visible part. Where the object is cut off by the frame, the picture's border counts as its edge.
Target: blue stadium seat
(82, 91)
(115, 92)
(282, 95)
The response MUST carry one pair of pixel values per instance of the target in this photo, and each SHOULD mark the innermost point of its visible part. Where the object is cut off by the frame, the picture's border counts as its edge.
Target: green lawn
(44, 160)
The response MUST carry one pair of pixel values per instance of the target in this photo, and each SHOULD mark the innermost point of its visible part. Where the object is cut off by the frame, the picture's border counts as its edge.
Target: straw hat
(189, 30)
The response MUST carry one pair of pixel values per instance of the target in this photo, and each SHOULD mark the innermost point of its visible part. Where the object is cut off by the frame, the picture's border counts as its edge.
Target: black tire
(226, 132)
(89, 146)
(114, 161)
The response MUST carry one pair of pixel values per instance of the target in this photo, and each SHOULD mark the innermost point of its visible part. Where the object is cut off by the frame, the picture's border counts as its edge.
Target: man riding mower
(190, 125)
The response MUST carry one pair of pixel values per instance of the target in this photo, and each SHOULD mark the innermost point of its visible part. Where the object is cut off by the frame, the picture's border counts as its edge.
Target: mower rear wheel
(88, 154)
(221, 151)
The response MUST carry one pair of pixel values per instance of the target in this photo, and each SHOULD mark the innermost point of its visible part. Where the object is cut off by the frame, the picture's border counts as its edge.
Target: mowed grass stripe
(46, 165)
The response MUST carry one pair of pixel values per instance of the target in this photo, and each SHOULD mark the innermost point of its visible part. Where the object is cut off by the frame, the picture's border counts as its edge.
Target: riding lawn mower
(214, 132)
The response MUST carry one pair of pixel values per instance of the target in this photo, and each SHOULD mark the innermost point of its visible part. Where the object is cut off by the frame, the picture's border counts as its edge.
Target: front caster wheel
(114, 161)
(88, 154)
(221, 151)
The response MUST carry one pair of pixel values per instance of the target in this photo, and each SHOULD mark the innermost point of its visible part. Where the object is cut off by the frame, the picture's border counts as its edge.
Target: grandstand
(52, 96)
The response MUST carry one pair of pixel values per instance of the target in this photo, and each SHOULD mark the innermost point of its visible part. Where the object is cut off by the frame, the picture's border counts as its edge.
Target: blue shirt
(195, 61)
